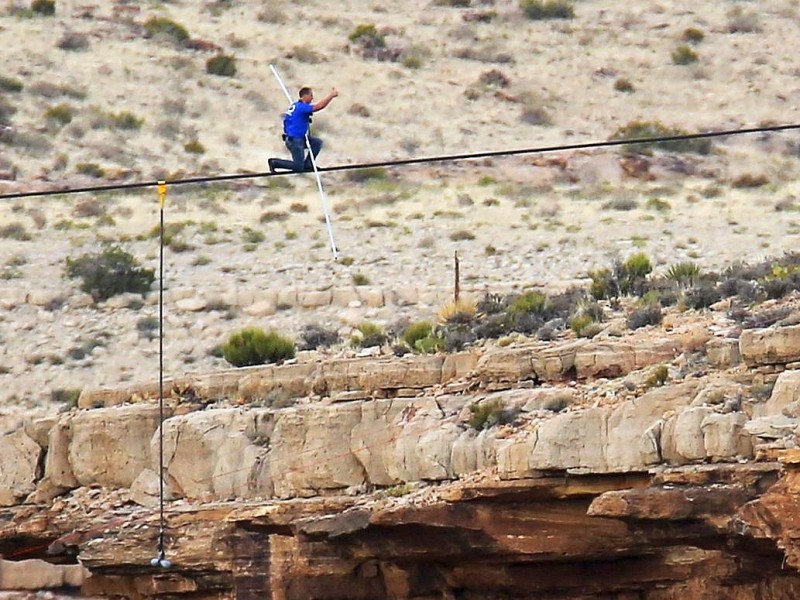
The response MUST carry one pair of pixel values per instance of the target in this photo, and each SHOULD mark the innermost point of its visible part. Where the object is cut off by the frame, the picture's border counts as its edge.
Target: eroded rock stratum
(372, 477)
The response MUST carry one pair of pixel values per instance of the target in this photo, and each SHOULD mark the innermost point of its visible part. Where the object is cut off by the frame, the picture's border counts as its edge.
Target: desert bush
(621, 204)
(748, 180)
(48, 89)
(650, 314)
(580, 323)
(547, 9)
(161, 27)
(90, 207)
(148, 327)
(73, 41)
(68, 396)
(741, 21)
(366, 34)
(367, 174)
(61, 114)
(271, 14)
(684, 55)
(534, 111)
(702, 295)
(316, 336)
(416, 331)
(91, 169)
(252, 346)
(6, 111)
(462, 235)
(484, 415)
(457, 311)
(684, 274)
(113, 271)
(126, 120)
(623, 85)
(414, 56)
(637, 130)
(194, 146)
(9, 84)
(494, 79)
(658, 204)
(657, 377)
(453, 3)
(368, 335)
(44, 7)
(693, 35)
(222, 65)
(15, 231)
(272, 216)
(359, 279)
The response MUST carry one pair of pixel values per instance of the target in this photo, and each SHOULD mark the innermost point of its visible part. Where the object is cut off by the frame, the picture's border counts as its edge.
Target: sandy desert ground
(460, 80)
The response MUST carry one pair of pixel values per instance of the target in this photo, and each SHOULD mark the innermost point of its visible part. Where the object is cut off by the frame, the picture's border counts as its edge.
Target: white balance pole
(316, 173)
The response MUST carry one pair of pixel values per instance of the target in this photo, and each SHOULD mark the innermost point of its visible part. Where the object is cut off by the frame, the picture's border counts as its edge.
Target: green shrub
(111, 272)
(547, 9)
(367, 36)
(91, 169)
(368, 335)
(44, 7)
(61, 114)
(166, 28)
(693, 35)
(194, 147)
(658, 377)
(484, 415)
(416, 331)
(684, 55)
(126, 120)
(638, 266)
(658, 204)
(7, 84)
(637, 130)
(684, 274)
(529, 303)
(251, 346)
(222, 65)
(359, 279)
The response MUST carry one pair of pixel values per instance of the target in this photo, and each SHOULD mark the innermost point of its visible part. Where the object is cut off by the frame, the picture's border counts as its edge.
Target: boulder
(775, 345)
(18, 470)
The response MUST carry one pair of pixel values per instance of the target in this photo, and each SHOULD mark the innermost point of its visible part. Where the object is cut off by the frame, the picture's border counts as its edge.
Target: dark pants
(297, 147)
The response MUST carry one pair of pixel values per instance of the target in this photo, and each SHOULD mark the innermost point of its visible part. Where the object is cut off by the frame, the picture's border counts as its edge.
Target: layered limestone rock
(522, 461)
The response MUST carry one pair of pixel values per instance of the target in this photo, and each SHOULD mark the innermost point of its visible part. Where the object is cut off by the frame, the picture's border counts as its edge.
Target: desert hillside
(119, 92)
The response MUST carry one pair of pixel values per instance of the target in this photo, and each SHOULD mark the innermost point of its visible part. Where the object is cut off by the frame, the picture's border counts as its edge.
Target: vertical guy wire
(162, 194)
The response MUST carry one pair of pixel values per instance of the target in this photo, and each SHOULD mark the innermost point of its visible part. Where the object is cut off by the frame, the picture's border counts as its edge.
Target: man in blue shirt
(296, 123)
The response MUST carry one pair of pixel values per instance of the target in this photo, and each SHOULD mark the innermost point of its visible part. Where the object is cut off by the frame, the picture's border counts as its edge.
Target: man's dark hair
(304, 91)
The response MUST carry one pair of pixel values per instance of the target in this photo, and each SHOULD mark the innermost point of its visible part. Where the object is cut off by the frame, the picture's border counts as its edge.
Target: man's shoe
(271, 163)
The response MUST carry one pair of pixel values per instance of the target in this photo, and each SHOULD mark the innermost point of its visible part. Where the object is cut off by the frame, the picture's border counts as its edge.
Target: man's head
(306, 94)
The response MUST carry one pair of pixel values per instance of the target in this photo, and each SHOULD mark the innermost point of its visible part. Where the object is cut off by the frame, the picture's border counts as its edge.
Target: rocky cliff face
(658, 464)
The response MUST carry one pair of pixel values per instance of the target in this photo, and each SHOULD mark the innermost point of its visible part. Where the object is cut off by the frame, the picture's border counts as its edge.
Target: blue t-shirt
(295, 121)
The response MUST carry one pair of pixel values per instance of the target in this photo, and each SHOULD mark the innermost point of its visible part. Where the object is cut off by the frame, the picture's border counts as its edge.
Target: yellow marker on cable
(162, 192)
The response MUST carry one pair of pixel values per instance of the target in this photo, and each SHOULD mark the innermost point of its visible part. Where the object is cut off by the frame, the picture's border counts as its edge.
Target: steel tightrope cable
(412, 161)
